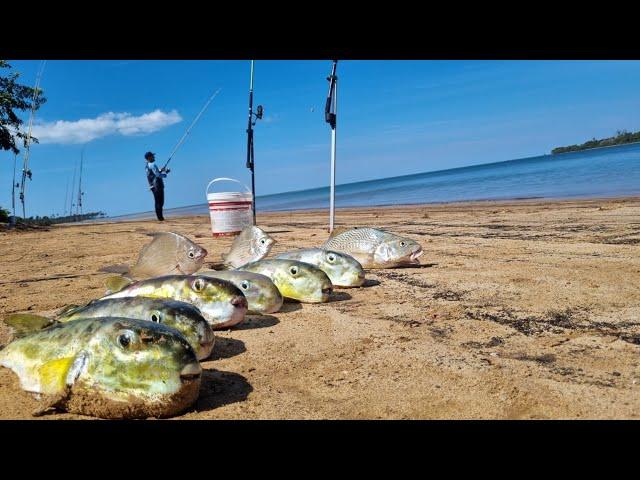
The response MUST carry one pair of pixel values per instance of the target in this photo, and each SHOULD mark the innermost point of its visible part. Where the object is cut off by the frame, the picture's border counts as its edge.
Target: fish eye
(198, 284)
(294, 270)
(402, 244)
(155, 317)
(125, 338)
(263, 241)
(331, 257)
(191, 254)
(244, 285)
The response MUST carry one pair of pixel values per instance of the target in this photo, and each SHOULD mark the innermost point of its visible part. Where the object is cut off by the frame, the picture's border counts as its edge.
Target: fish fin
(158, 257)
(120, 268)
(26, 323)
(67, 310)
(339, 230)
(116, 283)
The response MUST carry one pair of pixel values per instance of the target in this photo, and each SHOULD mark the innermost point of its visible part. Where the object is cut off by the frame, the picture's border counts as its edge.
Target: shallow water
(605, 172)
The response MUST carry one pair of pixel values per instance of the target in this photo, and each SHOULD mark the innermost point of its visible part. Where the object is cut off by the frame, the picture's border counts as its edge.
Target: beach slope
(526, 309)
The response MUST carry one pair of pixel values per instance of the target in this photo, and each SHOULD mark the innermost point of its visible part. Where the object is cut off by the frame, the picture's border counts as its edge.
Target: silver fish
(375, 248)
(167, 254)
(251, 245)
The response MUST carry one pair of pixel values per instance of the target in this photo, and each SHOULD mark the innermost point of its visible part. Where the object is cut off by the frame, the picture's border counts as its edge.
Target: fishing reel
(258, 113)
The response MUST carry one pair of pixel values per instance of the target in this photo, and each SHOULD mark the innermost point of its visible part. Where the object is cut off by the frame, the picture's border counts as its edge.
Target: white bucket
(230, 212)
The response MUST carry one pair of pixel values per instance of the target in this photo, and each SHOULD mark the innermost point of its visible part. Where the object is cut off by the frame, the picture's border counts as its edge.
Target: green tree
(15, 97)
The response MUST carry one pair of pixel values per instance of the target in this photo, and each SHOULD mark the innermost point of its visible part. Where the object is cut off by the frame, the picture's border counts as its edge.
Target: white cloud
(87, 129)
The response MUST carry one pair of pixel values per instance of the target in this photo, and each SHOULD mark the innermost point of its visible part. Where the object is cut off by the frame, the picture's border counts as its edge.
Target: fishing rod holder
(329, 115)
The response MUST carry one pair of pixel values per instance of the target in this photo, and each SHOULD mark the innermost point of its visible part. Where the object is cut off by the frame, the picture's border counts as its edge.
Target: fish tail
(116, 283)
(120, 268)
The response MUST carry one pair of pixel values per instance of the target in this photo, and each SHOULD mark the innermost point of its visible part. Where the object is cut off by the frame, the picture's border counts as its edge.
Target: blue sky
(395, 117)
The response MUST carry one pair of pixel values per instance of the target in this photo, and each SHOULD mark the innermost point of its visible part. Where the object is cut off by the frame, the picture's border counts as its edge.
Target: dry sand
(524, 309)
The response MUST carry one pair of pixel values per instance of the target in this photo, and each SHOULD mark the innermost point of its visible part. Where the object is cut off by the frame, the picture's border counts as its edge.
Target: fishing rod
(26, 173)
(250, 153)
(66, 197)
(330, 116)
(80, 192)
(13, 185)
(73, 182)
(191, 126)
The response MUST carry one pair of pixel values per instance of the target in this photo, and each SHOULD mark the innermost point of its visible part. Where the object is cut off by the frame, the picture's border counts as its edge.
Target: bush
(4, 215)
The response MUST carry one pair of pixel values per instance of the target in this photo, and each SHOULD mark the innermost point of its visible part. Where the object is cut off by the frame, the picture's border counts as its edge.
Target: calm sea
(606, 172)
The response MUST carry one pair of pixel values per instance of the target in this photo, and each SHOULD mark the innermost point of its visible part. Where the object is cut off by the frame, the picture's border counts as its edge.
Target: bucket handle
(228, 179)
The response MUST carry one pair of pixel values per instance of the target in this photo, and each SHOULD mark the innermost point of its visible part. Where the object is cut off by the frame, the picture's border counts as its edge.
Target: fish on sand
(375, 248)
(342, 269)
(182, 316)
(251, 244)
(295, 280)
(168, 253)
(221, 303)
(262, 294)
(107, 367)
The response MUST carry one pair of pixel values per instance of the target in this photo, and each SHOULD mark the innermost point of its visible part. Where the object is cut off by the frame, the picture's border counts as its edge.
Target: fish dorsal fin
(158, 257)
(339, 230)
(116, 283)
(67, 310)
(26, 323)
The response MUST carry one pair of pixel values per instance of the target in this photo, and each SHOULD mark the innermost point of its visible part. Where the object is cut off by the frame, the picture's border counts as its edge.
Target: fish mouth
(202, 254)
(325, 292)
(240, 302)
(206, 347)
(414, 256)
(191, 371)
(240, 307)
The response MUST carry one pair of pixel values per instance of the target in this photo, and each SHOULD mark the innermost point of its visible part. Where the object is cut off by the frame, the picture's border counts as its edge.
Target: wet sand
(521, 309)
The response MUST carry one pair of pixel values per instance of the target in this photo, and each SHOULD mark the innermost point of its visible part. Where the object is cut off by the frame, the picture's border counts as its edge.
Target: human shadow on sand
(226, 348)
(219, 388)
(257, 321)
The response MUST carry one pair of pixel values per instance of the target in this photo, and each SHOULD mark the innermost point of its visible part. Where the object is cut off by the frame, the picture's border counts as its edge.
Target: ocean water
(605, 172)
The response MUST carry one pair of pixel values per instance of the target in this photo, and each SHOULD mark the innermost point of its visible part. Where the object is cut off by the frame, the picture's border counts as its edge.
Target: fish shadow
(278, 231)
(257, 321)
(339, 296)
(370, 282)
(421, 265)
(219, 388)
(226, 348)
(290, 305)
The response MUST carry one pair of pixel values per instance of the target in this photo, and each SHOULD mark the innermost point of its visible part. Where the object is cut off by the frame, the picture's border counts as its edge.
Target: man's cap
(149, 155)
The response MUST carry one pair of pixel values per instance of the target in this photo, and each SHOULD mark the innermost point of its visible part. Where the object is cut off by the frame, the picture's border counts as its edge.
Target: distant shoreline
(581, 148)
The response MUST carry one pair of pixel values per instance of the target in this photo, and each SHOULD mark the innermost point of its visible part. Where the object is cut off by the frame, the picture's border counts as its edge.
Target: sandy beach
(521, 310)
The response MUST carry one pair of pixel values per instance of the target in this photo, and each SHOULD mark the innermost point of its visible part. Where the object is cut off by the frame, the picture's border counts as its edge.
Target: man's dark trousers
(158, 194)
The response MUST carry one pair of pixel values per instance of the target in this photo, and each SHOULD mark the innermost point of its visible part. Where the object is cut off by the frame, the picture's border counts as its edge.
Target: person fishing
(156, 184)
